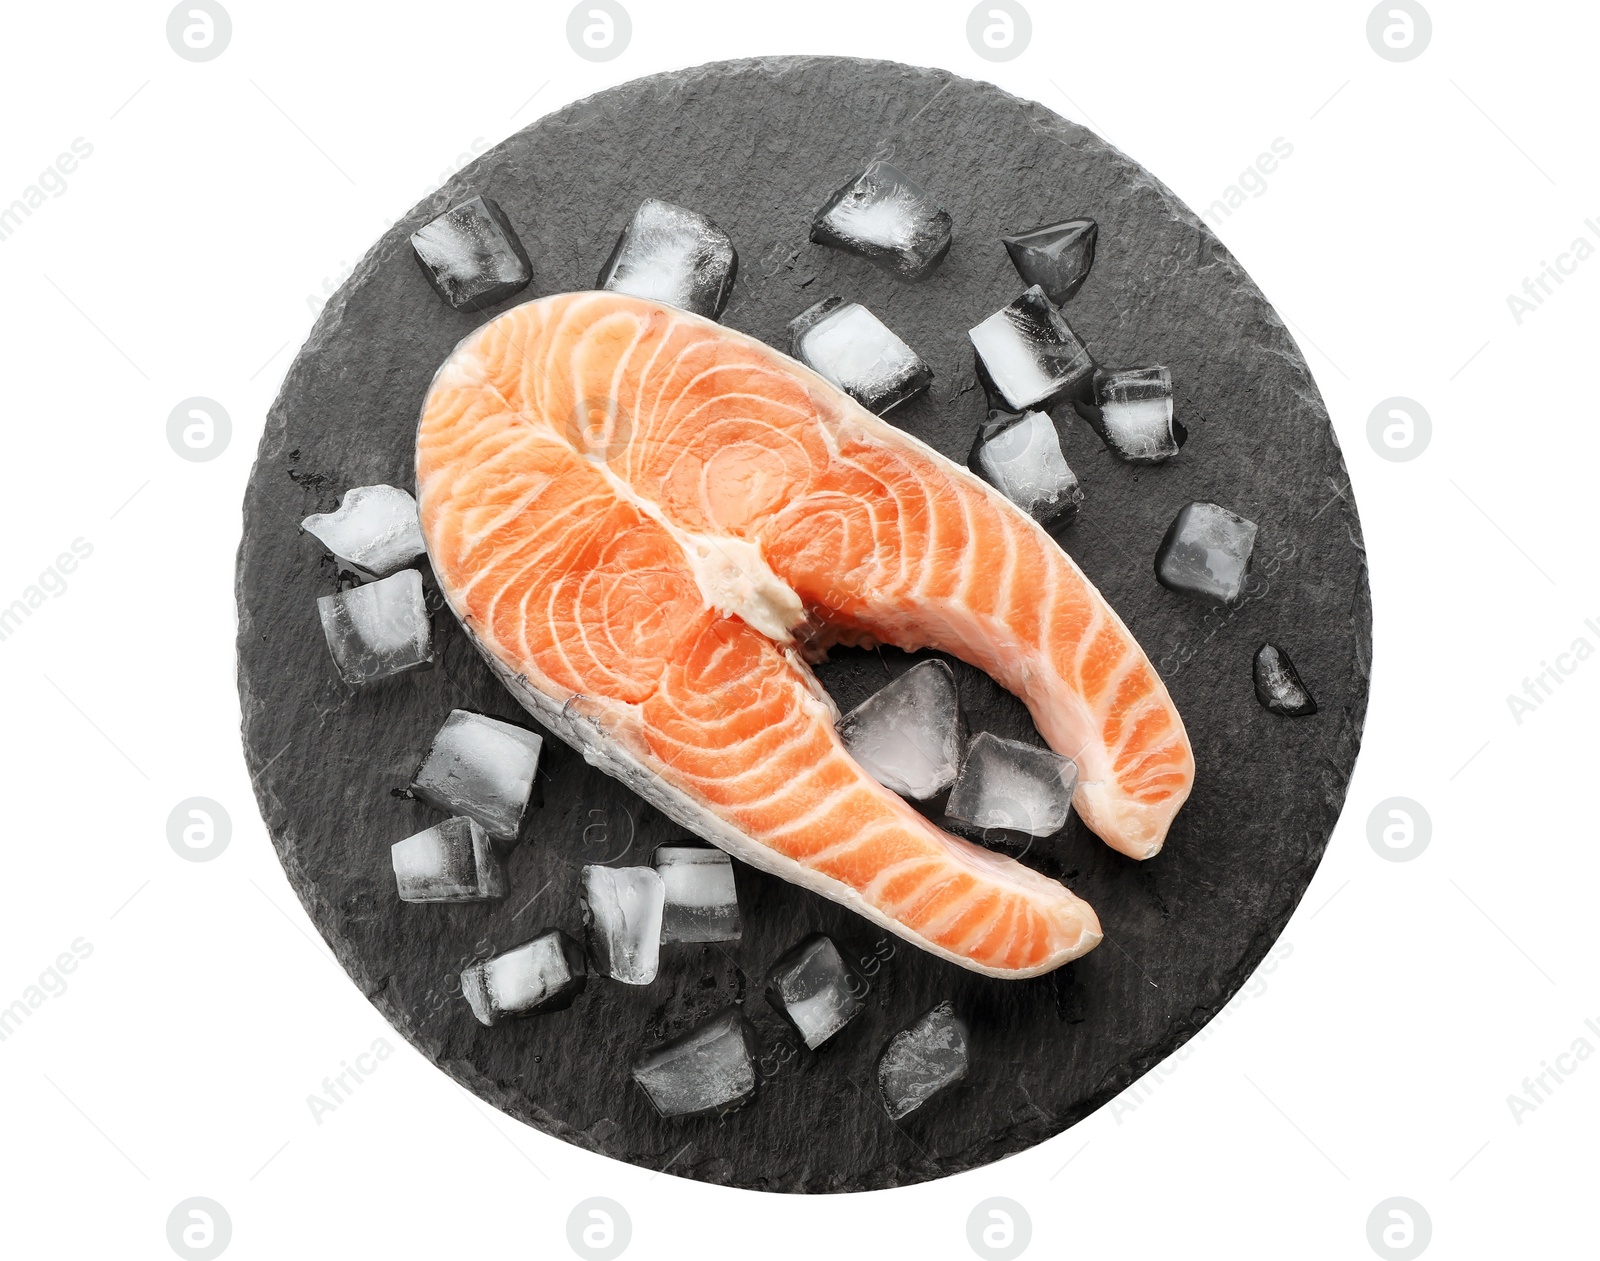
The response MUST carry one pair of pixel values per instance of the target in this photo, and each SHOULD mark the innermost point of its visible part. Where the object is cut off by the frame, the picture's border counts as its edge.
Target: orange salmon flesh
(648, 523)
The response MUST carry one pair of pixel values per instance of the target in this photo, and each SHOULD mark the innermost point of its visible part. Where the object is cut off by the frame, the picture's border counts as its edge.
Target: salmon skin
(648, 524)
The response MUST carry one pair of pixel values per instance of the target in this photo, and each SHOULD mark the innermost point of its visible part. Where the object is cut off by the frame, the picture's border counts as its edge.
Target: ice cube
(1278, 685)
(375, 530)
(1028, 355)
(539, 976)
(379, 629)
(815, 990)
(1056, 257)
(471, 255)
(1020, 456)
(855, 350)
(1206, 552)
(907, 735)
(1012, 787)
(672, 255)
(885, 216)
(701, 902)
(483, 768)
(622, 910)
(921, 1061)
(707, 1071)
(1132, 413)
(449, 862)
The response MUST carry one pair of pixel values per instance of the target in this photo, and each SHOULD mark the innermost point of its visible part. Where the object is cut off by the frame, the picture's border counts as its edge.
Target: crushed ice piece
(815, 990)
(1056, 257)
(1206, 552)
(885, 216)
(374, 531)
(1028, 355)
(701, 901)
(449, 862)
(622, 910)
(907, 734)
(539, 976)
(672, 255)
(1132, 413)
(921, 1061)
(483, 768)
(1013, 787)
(1278, 685)
(379, 629)
(471, 255)
(1020, 456)
(707, 1071)
(853, 348)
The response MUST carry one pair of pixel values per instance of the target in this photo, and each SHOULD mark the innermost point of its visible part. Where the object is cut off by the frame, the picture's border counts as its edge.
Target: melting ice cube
(701, 902)
(379, 629)
(1206, 552)
(907, 735)
(815, 990)
(885, 216)
(483, 768)
(471, 255)
(708, 1070)
(855, 350)
(672, 255)
(1020, 456)
(1278, 685)
(375, 530)
(1056, 257)
(622, 909)
(1132, 413)
(450, 862)
(1013, 787)
(921, 1061)
(1028, 355)
(539, 976)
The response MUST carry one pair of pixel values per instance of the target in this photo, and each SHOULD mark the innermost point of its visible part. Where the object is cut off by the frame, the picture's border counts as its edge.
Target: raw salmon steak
(648, 523)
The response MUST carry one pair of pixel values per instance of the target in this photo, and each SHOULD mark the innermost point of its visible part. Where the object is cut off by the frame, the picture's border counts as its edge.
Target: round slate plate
(757, 146)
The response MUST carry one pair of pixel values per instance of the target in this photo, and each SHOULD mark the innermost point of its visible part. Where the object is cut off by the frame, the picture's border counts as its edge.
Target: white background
(187, 256)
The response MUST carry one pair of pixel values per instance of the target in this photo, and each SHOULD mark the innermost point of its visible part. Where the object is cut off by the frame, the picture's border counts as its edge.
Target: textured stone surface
(758, 146)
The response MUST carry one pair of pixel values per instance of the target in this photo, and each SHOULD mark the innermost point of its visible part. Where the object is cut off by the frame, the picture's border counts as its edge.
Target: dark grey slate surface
(757, 146)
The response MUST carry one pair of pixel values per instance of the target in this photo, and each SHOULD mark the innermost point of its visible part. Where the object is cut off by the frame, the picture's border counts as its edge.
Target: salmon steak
(650, 525)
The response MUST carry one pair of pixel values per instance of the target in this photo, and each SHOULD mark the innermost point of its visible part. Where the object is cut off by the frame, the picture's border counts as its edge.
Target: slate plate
(757, 145)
